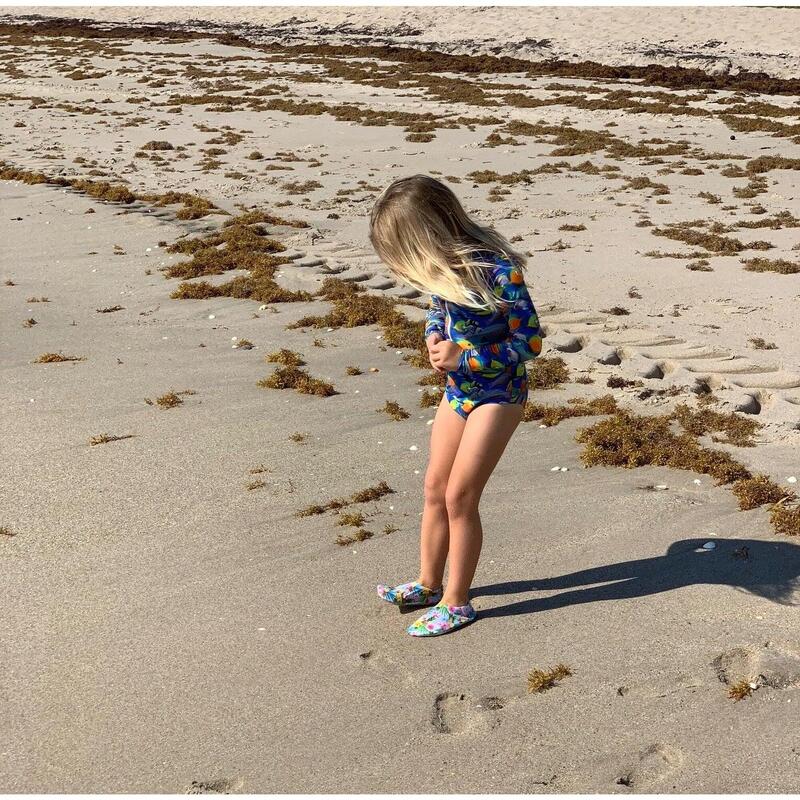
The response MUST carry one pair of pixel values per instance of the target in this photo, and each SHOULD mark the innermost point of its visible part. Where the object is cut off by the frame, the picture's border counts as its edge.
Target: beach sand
(172, 625)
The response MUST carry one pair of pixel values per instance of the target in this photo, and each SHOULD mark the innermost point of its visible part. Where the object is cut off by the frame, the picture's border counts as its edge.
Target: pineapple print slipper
(409, 595)
(442, 619)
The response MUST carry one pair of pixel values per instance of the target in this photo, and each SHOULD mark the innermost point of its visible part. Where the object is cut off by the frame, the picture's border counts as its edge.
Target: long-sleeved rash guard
(492, 342)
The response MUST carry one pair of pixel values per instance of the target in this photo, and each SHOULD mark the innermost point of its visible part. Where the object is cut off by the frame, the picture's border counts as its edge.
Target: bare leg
(486, 434)
(434, 540)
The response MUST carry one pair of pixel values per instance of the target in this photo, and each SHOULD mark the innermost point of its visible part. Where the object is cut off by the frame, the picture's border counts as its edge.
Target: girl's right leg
(448, 426)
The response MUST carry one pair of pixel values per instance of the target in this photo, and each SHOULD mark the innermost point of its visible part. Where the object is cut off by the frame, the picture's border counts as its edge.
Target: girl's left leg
(486, 434)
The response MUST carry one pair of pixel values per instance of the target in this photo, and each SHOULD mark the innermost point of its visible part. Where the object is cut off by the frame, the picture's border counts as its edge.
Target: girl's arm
(525, 340)
(434, 320)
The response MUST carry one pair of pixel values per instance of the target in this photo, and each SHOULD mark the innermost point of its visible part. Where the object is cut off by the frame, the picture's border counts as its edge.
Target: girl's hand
(433, 339)
(445, 356)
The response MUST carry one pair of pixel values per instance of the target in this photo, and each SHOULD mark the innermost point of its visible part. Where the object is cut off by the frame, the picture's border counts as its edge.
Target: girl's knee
(461, 499)
(434, 489)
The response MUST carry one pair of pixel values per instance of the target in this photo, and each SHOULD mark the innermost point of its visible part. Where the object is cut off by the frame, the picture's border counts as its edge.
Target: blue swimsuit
(495, 345)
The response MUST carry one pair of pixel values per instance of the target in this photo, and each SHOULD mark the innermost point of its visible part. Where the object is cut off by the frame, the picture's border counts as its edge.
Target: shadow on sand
(767, 569)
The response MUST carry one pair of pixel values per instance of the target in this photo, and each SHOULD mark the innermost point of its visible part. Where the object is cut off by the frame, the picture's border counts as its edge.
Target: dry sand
(168, 629)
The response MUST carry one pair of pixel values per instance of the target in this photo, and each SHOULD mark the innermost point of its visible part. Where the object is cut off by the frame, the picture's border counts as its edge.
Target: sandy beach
(184, 197)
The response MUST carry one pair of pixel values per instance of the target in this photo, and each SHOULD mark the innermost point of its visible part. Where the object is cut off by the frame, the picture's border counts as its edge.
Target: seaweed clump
(739, 690)
(542, 680)
(628, 440)
(299, 380)
(56, 358)
(785, 519)
(289, 358)
(394, 410)
(779, 265)
(240, 245)
(547, 372)
(577, 407)
(353, 307)
(738, 430)
(362, 496)
(759, 490)
(170, 400)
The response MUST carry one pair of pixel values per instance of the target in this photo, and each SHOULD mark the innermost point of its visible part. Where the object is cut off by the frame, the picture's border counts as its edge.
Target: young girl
(481, 328)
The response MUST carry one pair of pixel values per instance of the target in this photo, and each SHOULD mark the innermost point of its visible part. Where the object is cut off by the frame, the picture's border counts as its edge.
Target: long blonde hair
(420, 230)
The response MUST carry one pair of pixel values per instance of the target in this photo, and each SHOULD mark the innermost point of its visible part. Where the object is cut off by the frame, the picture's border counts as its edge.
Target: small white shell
(791, 479)
(710, 546)
(413, 447)
(554, 469)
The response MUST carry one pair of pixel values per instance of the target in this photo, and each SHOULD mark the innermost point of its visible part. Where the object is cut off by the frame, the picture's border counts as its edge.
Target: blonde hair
(420, 230)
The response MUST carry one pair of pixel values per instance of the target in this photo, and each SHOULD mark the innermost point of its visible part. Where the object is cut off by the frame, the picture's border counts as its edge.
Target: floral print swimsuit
(495, 345)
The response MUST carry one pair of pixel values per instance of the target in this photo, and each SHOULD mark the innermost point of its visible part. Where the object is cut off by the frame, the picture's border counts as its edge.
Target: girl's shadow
(764, 568)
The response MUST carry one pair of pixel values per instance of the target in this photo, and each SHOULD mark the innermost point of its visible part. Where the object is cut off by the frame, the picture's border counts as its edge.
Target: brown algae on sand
(741, 689)
(759, 490)
(105, 438)
(394, 410)
(170, 399)
(785, 518)
(542, 680)
(547, 372)
(289, 358)
(353, 307)
(363, 496)
(56, 358)
(297, 379)
(628, 440)
(576, 407)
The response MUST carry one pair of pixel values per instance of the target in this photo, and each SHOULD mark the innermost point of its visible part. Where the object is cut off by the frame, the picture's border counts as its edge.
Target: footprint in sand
(650, 766)
(385, 666)
(459, 712)
(740, 383)
(774, 665)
